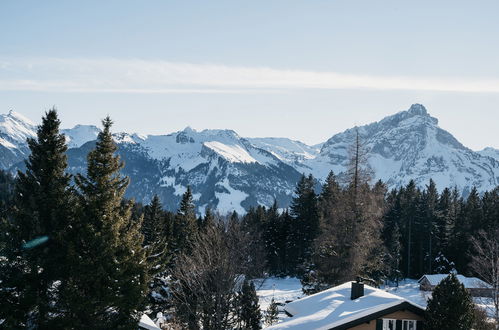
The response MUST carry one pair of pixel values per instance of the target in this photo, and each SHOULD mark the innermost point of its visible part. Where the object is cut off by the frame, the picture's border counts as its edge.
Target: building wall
(399, 315)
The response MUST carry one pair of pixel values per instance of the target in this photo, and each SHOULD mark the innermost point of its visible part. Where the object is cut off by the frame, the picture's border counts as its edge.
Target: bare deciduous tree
(485, 262)
(207, 279)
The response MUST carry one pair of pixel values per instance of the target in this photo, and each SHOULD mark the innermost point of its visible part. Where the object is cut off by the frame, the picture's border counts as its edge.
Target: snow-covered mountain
(14, 130)
(490, 152)
(225, 171)
(292, 152)
(229, 172)
(411, 145)
(80, 134)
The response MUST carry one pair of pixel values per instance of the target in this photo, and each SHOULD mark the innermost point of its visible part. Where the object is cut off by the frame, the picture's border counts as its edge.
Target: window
(409, 325)
(389, 324)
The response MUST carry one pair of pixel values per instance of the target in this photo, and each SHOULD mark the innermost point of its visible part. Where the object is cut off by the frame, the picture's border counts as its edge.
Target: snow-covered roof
(468, 282)
(146, 323)
(333, 307)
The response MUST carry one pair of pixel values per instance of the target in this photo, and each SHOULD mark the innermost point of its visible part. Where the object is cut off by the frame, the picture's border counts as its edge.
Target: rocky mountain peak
(418, 109)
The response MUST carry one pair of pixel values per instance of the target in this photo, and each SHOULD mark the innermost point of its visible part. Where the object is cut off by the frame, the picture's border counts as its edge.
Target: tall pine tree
(36, 250)
(305, 226)
(186, 226)
(249, 314)
(108, 278)
(157, 230)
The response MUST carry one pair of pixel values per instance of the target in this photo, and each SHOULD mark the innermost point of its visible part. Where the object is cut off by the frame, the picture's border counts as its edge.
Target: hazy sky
(300, 69)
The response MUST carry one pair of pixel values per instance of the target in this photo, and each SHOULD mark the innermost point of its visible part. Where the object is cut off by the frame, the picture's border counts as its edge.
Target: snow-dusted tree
(272, 313)
(157, 230)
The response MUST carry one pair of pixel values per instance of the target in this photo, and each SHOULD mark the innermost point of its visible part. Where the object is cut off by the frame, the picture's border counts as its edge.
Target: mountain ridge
(229, 172)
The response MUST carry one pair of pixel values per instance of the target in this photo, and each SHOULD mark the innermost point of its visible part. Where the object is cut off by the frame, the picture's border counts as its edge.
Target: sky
(299, 69)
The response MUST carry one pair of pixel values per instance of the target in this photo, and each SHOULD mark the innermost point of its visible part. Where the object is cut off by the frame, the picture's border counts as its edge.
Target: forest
(75, 254)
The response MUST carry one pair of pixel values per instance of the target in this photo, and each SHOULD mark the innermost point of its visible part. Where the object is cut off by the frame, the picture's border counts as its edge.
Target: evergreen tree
(250, 314)
(305, 225)
(208, 219)
(331, 249)
(394, 248)
(275, 240)
(450, 307)
(410, 197)
(157, 231)
(185, 227)
(34, 268)
(272, 313)
(445, 222)
(430, 225)
(490, 207)
(468, 224)
(108, 276)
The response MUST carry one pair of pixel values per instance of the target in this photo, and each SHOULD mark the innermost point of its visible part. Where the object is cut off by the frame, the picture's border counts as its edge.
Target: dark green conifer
(250, 314)
(305, 215)
(156, 228)
(186, 226)
(36, 250)
(450, 307)
(109, 272)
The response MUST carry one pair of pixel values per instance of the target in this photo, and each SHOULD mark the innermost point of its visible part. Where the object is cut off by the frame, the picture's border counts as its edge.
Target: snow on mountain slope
(410, 145)
(80, 134)
(490, 152)
(225, 171)
(14, 130)
(228, 172)
(289, 151)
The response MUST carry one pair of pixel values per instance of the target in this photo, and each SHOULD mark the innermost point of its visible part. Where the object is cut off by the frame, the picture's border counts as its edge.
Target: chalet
(353, 305)
(475, 286)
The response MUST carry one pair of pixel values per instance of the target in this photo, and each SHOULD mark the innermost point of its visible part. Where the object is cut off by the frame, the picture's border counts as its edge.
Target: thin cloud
(144, 76)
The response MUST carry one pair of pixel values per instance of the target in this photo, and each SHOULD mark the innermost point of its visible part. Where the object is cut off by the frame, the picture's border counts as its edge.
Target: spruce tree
(108, 278)
(305, 226)
(156, 228)
(450, 307)
(250, 314)
(35, 266)
(272, 313)
(186, 227)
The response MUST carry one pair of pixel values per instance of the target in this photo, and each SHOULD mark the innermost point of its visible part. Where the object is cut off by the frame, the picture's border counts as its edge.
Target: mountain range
(227, 172)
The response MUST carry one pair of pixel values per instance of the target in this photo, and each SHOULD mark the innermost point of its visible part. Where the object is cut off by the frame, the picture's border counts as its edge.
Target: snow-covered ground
(281, 289)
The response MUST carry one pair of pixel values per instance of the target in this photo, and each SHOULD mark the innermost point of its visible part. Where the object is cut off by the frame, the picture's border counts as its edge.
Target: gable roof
(333, 308)
(468, 282)
(146, 323)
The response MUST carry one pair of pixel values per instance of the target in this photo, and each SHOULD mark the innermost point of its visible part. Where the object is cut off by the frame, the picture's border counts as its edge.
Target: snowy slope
(225, 171)
(292, 152)
(490, 152)
(14, 130)
(411, 145)
(80, 134)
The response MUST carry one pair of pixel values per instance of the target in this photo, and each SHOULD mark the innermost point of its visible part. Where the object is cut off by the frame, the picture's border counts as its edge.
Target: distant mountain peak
(189, 129)
(19, 118)
(418, 109)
